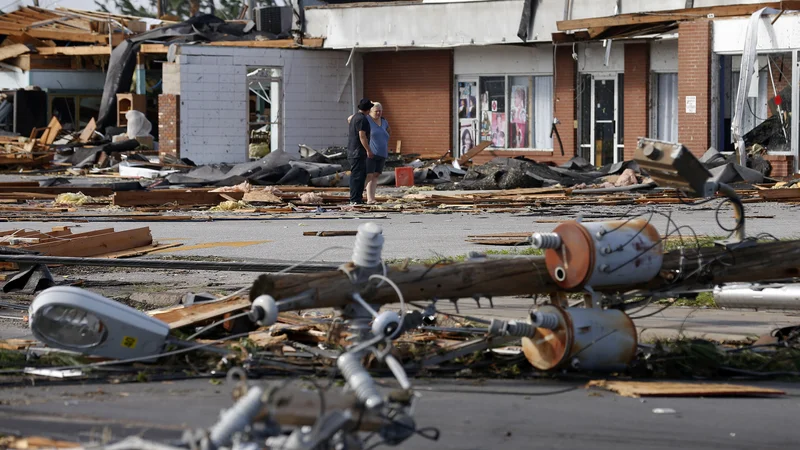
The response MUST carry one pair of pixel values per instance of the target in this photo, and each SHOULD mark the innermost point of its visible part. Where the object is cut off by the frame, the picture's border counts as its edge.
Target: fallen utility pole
(529, 275)
(161, 264)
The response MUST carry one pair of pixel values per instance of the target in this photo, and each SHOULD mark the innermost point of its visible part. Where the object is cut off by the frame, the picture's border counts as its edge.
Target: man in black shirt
(358, 151)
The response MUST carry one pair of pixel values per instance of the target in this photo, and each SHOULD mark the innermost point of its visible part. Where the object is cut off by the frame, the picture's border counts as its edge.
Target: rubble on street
(196, 208)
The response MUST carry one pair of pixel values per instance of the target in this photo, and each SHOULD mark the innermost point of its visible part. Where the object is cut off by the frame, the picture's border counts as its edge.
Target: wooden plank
(166, 196)
(88, 132)
(12, 51)
(56, 35)
(676, 389)
(275, 43)
(153, 48)
(79, 50)
(672, 15)
(471, 153)
(60, 237)
(139, 251)
(330, 233)
(18, 184)
(55, 190)
(98, 245)
(51, 132)
(181, 316)
(25, 38)
(780, 194)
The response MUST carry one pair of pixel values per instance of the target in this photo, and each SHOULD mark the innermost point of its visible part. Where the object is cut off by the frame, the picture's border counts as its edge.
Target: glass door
(604, 120)
(600, 124)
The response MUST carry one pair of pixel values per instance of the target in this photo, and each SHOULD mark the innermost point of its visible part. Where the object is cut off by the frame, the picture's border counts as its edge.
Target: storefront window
(467, 115)
(766, 113)
(513, 112)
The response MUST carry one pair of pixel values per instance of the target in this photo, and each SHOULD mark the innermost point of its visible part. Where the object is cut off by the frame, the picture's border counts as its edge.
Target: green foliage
(226, 9)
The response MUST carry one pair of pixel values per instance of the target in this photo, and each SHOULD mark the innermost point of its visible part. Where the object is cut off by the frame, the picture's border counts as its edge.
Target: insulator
(359, 380)
(511, 328)
(545, 240)
(368, 246)
(386, 323)
(545, 320)
(264, 310)
(237, 417)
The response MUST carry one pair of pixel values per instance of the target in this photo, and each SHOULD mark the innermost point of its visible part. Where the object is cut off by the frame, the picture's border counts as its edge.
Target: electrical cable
(402, 302)
(138, 359)
(653, 313)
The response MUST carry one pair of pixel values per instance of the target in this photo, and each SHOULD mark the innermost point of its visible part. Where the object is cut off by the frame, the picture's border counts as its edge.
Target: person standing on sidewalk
(358, 150)
(379, 144)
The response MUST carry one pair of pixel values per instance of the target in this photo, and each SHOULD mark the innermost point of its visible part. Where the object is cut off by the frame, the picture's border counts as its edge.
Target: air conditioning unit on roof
(274, 19)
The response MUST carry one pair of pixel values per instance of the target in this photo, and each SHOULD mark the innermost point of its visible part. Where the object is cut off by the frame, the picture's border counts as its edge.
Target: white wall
(591, 57)
(14, 80)
(503, 59)
(443, 23)
(68, 79)
(430, 24)
(664, 55)
(214, 97)
(729, 34)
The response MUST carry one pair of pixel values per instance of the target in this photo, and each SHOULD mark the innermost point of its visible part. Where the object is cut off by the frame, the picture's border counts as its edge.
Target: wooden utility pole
(159, 9)
(528, 275)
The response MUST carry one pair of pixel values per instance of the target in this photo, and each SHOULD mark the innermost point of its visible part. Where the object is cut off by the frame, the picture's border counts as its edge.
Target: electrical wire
(653, 313)
(132, 360)
(402, 302)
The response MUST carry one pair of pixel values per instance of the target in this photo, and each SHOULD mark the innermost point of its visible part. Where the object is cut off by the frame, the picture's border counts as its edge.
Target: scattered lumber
(194, 197)
(638, 389)
(98, 243)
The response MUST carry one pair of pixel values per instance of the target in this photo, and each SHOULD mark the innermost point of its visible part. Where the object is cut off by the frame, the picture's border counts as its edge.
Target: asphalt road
(413, 235)
(470, 415)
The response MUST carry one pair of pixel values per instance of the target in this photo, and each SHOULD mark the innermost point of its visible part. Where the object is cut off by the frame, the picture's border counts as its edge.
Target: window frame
(531, 96)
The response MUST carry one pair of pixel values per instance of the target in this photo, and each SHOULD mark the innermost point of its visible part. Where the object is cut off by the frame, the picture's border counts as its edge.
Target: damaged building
(544, 80)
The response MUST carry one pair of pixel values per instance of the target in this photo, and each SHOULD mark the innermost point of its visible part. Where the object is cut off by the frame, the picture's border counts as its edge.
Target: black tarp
(267, 170)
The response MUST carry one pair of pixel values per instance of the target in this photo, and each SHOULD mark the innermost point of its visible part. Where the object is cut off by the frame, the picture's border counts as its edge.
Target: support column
(694, 85)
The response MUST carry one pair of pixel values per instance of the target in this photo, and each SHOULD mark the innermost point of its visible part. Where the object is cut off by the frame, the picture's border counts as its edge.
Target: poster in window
(499, 130)
(486, 126)
(467, 130)
(520, 135)
(467, 106)
(519, 103)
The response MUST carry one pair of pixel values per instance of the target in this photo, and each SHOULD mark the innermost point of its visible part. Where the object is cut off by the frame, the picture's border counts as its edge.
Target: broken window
(264, 110)
(766, 116)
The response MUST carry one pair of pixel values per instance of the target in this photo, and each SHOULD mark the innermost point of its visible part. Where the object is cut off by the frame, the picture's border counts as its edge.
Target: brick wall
(636, 95)
(169, 125)
(415, 89)
(214, 96)
(694, 79)
(782, 75)
(564, 96)
(782, 165)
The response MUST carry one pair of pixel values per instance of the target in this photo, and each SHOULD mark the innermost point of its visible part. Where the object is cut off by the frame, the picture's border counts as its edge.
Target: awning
(653, 22)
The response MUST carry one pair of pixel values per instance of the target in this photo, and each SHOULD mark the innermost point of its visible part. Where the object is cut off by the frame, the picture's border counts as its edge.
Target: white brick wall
(213, 96)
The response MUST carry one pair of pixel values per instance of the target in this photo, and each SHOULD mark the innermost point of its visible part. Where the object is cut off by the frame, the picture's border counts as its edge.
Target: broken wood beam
(672, 15)
(91, 191)
(96, 245)
(171, 196)
(79, 50)
(330, 233)
(471, 153)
